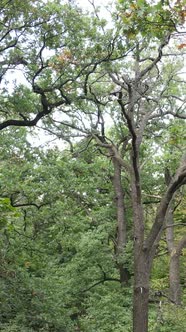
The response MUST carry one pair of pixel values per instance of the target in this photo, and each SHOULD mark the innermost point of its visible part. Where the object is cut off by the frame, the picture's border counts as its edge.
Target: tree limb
(177, 181)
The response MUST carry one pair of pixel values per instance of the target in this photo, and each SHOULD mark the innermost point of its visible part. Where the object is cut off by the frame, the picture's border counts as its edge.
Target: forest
(92, 166)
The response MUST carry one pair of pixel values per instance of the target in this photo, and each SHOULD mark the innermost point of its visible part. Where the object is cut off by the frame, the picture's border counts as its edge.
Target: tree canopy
(92, 227)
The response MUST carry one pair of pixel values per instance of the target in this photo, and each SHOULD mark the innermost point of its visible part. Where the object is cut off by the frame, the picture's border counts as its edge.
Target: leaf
(181, 46)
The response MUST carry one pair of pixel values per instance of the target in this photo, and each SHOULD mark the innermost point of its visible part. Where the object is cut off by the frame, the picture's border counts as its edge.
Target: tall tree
(77, 72)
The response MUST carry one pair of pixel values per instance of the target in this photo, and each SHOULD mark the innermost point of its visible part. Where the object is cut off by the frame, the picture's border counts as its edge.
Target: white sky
(101, 4)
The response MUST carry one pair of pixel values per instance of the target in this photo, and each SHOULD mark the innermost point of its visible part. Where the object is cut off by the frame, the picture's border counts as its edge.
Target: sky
(87, 4)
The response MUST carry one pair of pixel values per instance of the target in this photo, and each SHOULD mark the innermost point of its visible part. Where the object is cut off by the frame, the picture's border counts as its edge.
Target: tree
(175, 241)
(128, 72)
(144, 93)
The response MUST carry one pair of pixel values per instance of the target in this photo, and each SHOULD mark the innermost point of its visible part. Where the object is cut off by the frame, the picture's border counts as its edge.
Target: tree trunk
(174, 278)
(141, 257)
(174, 253)
(141, 292)
(174, 271)
(121, 222)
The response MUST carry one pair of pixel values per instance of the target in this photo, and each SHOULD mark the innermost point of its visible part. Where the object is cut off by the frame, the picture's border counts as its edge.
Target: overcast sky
(87, 4)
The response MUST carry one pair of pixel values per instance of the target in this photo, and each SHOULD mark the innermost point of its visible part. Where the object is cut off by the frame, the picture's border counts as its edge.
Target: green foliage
(167, 321)
(56, 259)
(105, 310)
(59, 268)
(148, 19)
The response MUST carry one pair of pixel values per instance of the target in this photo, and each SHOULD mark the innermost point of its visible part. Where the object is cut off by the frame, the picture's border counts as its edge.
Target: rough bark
(141, 292)
(174, 251)
(174, 271)
(170, 229)
(141, 267)
(121, 222)
(141, 258)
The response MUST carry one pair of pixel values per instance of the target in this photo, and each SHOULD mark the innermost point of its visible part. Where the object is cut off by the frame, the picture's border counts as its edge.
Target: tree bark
(121, 222)
(141, 292)
(141, 257)
(174, 253)
(174, 271)
(141, 274)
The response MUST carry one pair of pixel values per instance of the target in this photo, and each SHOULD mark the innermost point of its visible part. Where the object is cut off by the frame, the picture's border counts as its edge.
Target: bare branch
(113, 152)
(157, 59)
(175, 225)
(180, 246)
(100, 282)
(14, 204)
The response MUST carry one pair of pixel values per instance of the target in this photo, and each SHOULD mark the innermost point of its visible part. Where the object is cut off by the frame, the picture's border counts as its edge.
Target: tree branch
(177, 181)
(100, 282)
(156, 60)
